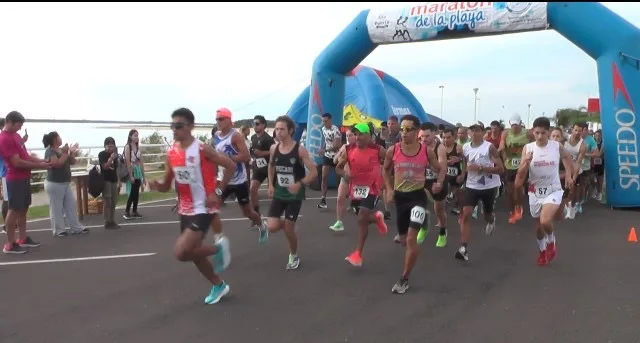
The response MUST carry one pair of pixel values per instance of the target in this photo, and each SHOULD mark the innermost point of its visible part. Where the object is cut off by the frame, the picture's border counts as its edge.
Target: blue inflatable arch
(609, 39)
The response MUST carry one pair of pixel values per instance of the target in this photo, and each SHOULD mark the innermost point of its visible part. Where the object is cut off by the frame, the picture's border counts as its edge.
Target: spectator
(3, 186)
(108, 159)
(62, 202)
(135, 166)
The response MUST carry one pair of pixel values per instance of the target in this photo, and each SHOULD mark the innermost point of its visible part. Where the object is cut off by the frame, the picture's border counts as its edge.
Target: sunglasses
(220, 118)
(407, 129)
(178, 125)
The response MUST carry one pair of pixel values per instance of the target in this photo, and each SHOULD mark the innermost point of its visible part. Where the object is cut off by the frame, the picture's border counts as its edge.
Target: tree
(566, 117)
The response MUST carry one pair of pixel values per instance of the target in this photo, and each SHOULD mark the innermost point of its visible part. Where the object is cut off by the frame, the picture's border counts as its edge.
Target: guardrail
(90, 156)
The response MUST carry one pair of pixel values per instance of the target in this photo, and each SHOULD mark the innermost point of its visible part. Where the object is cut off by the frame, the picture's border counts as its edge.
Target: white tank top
(544, 170)
(574, 151)
(224, 146)
(480, 155)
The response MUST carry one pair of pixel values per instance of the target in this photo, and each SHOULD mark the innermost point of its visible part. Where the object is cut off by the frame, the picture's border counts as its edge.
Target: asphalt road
(588, 294)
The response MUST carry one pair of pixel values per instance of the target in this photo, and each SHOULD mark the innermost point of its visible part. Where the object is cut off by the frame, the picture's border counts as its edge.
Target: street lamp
(528, 114)
(441, 100)
(475, 105)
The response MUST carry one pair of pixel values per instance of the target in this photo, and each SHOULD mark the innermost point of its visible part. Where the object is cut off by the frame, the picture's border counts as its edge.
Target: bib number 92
(418, 215)
(452, 171)
(285, 180)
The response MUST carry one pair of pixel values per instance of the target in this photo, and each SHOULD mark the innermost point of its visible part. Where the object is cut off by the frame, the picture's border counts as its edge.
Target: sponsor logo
(626, 137)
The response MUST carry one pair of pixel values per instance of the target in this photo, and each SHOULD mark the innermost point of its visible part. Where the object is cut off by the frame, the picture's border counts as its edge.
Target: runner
(287, 182)
(343, 188)
(511, 145)
(428, 138)
(540, 160)
(558, 136)
(494, 136)
(261, 143)
(456, 170)
(18, 183)
(483, 169)
(230, 142)
(332, 143)
(597, 165)
(365, 182)
(408, 160)
(193, 165)
(587, 175)
(577, 149)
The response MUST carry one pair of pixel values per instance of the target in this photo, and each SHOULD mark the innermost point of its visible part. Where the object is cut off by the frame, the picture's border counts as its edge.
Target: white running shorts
(536, 203)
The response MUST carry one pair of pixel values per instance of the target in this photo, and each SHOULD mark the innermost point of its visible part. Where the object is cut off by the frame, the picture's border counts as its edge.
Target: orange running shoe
(355, 259)
(512, 217)
(382, 226)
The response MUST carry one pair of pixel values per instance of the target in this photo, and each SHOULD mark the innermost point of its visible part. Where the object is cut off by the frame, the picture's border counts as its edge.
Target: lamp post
(528, 114)
(475, 105)
(441, 100)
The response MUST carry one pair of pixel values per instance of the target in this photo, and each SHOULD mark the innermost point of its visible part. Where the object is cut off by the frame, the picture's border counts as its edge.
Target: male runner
(494, 136)
(428, 138)
(511, 145)
(408, 160)
(456, 170)
(365, 183)
(343, 187)
(540, 160)
(287, 182)
(18, 183)
(483, 168)
(587, 175)
(193, 165)
(332, 143)
(261, 143)
(577, 149)
(558, 136)
(230, 142)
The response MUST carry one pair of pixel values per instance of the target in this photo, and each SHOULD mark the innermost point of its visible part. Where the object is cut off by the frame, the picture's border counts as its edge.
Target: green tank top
(513, 148)
(288, 170)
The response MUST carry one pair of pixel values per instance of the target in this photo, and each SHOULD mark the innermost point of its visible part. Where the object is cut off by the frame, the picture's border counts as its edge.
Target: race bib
(597, 161)
(285, 180)
(573, 157)
(542, 192)
(261, 162)
(184, 175)
(360, 192)
(418, 214)
(515, 162)
(430, 175)
(452, 171)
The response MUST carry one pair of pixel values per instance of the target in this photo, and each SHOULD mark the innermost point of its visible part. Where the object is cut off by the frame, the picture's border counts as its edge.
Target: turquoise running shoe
(216, 293)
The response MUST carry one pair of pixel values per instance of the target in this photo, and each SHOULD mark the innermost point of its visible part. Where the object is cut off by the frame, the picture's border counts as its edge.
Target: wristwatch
(218, 192)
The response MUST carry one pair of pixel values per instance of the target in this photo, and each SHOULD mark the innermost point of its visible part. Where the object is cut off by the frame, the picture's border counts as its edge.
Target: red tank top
(366, 175)
(494, 141)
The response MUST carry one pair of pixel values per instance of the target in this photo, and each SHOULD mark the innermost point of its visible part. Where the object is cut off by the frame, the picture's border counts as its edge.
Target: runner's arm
(440, 162)
(243, 152)
(503, 144)
(498, 166)
(265, 153)
(221, 161)
(342, 161)
(463, 164)
(167, 179)
(381, 154)
(523, 169)
(565, 159)
(582, 152)
(271, 169)
(312, 172)
(388, 167)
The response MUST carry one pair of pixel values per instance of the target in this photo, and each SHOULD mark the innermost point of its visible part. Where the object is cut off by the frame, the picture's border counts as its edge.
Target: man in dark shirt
(261, 143)
(108, 159)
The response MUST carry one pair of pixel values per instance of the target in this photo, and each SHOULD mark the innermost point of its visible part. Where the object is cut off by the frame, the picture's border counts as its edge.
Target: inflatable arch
(370, 96)
(606, 37)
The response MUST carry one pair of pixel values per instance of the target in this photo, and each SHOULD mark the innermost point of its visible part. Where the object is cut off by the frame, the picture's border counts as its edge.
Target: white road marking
(148, 223)
(228, 202)
(76, 259)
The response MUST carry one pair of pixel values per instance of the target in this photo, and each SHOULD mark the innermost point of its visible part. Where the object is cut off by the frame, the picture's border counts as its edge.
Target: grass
(42, 211)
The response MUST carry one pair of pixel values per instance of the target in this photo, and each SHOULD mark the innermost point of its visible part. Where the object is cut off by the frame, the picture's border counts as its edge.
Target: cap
(361, 128)
(515, 119)
(223, 112)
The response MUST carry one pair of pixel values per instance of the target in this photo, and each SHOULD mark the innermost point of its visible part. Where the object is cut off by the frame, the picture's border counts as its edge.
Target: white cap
(515, 119)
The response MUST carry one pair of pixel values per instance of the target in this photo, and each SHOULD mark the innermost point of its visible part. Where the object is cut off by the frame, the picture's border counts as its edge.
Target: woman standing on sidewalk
(133, 160)
(62, 203)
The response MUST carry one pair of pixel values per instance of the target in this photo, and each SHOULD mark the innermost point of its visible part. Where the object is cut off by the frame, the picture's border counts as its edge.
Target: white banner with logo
(449, 20)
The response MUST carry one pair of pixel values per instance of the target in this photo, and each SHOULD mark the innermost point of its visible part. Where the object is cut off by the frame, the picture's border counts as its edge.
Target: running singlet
(364, 165)
(596, 161)
(481, 156)
(430, 175)
(329, 138)
(194, 178)
(591, 146)
(409, 171)
(261, 143)
(544, 174)
(514, 143)
(224, 146)
(493, 140)
(453, 169)
(289, 170)
(574, 152)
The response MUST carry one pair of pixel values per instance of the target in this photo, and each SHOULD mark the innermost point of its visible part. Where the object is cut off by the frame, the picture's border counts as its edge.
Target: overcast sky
(140, 61)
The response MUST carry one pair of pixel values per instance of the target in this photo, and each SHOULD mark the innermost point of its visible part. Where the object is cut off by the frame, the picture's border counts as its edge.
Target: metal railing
(90, 157)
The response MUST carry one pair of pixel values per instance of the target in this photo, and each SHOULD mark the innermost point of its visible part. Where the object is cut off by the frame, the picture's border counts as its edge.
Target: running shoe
(216, 293)
(294, 262)
(337, 226)
(222, 258)
(542, 258)
(442, 241)
(551, 251)
(422, 234)
(380, 224)
(263, 231)
(355, 259)
(400, 287)
(462, 254)
(28, 243)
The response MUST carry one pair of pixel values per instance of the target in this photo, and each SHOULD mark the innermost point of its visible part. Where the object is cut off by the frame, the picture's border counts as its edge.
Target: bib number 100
(418, 214)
